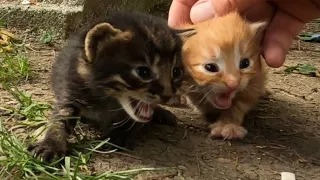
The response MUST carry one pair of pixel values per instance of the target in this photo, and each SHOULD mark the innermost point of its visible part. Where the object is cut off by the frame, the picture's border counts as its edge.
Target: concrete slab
(96, 8)
(57, 2)
(62, 17)
(57, 20)
(63, 2)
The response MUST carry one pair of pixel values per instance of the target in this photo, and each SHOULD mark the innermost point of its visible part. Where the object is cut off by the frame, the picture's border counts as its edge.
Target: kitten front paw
(163, 116)
(227, 131)
(126, 142)
(177, 101)
(48, 149)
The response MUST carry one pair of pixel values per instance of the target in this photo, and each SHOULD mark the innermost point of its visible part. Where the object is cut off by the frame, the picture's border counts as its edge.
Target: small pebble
(224, 160)
(287, 176)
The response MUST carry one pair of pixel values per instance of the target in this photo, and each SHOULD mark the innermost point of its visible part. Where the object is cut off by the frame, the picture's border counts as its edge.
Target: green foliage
(306, 69)
(47, 38)
(17, 163)
(13, 68)
(3, 24)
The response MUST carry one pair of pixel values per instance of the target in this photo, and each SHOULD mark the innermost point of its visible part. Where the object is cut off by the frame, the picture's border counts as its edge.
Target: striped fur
(225, 42)
(104, 69)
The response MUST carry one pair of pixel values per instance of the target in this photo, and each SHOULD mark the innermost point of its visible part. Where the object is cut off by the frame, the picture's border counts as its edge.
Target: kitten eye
(144, 72)
(177, 73)
(244, 63)
(211, 67)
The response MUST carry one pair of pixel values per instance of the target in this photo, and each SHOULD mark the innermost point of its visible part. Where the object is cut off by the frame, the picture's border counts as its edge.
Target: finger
(201, 11)
(261, 12)
(222, 7)
(302, 10)
(278, 38)
(179, 12)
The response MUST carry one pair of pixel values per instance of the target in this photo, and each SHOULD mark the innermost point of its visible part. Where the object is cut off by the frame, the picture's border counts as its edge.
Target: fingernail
(201, 11)
(274, 54)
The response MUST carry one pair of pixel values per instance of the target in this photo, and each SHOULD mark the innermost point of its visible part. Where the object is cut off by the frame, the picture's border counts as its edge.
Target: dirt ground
(283, 129)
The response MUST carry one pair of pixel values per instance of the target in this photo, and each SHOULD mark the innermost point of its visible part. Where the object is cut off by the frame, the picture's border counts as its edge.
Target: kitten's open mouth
(142, 110)
(223, 100)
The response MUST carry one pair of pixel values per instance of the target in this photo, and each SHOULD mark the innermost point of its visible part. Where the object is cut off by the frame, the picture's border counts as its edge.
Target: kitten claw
(47, 151)
(227, 131)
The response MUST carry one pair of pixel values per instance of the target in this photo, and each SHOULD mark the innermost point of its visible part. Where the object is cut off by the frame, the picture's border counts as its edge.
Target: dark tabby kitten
(113, 74)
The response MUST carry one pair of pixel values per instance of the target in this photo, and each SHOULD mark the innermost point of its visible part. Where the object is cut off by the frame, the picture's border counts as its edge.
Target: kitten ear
(258, 27)
(185, 33)
(100, 35)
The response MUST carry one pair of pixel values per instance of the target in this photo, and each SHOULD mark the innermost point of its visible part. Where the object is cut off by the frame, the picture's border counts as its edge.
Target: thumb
(206, 9)
(201, 11)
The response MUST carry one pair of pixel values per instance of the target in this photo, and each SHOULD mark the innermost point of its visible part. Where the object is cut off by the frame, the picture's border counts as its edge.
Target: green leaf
(67, 167)
(3, 24)
(46, 38)
(307, 69)
(291, 69)
(305, 37)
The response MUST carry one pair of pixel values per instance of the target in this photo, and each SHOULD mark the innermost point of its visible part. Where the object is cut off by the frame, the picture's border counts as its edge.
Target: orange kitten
(226, 71)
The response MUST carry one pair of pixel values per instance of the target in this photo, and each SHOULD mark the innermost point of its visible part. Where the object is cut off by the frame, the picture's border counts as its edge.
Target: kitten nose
(165, 98)
(233, 84)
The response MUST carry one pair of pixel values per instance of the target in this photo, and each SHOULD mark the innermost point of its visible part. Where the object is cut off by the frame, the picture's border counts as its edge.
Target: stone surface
(57, 2)
(63, 2)
(62, 17)
(95, 8)
(53, 19)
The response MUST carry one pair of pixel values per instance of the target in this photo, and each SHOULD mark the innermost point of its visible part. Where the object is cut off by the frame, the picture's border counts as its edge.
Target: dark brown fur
(94, 71)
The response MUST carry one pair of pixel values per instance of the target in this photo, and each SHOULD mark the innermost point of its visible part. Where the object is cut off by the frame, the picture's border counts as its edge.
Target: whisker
(192, 88)
(118, 109)
(133, 123)
(122, 106)
(128, 118)
(254, 88)
(122, 122)
(148, 103)
(209, 91)
(205, 95)
(203, 91)
(137, 106)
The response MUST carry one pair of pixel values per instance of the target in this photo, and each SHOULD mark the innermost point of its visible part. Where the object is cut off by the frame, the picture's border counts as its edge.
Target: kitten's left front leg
(229, 123)
(163, 116)
(178, 101)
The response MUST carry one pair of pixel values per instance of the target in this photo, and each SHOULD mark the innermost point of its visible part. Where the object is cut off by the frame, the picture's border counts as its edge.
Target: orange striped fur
(225, 42)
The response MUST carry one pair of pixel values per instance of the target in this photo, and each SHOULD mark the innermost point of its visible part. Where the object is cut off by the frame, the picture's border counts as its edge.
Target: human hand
(286, 19)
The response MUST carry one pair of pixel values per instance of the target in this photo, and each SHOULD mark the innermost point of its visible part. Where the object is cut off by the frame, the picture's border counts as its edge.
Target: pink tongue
(223, 100)
(145, 111)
